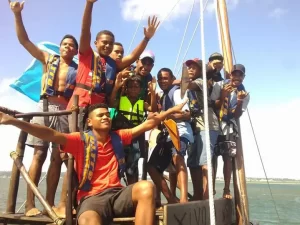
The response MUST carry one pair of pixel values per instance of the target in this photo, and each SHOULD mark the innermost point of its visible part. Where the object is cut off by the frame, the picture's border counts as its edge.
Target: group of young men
(110, 142)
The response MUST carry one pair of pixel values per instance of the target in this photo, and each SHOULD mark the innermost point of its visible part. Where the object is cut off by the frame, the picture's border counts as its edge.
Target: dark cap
(196, 61)
(239, 67)
(215, 56)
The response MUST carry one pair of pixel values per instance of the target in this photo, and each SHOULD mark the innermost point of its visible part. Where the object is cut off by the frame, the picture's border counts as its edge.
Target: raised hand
(152, 85)
(4, 119)
(91, 1)
(16, 7)
(241, 95)
(226, 90)
(120, 80)
(152, 26)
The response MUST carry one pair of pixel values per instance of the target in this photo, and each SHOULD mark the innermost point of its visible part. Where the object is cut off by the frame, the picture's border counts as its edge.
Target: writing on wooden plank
(197, 213)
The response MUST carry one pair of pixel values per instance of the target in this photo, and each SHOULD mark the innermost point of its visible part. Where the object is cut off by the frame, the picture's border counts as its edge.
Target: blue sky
(265, 38)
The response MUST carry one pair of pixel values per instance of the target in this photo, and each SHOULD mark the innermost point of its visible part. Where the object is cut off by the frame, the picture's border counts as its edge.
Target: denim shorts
(197, 155)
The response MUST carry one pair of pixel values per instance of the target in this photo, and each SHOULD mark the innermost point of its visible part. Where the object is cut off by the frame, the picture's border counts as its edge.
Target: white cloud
(278, 13)
(132, 10)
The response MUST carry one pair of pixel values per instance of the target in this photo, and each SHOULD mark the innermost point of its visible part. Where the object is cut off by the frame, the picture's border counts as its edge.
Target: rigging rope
(166, 17)
(185, 30)
(257, 146)
(191, 40)
(137, 28)
(206, 122)
(263, 166)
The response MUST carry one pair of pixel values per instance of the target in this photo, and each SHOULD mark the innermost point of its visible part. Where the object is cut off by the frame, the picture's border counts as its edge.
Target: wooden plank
(197, 213)
(20, 218)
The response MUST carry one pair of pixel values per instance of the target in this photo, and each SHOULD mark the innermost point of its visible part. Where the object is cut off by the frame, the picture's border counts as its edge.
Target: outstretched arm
(42, 132)
(37, 53)
(154, 120)
(85, 37)
(135, 54)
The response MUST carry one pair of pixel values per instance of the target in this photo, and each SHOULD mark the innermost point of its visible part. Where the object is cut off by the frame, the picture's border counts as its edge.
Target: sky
(265, 39)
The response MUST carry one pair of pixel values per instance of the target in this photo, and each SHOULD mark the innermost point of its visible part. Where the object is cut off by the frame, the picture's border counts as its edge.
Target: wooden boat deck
(20, 218)
(191, 213)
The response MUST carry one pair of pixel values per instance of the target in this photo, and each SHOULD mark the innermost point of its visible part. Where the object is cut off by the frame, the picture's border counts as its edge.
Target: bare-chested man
(58, 82)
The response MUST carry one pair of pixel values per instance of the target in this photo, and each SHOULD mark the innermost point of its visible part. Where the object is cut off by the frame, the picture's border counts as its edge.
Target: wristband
(146, 39)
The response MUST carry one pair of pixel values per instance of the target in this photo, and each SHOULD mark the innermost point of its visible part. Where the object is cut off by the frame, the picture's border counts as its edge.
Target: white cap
(147, 54)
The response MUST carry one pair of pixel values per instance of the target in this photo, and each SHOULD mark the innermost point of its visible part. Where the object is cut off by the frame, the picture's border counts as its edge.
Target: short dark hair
(134, 78)
(166, 70)
(107, 32)
(92, 107)
(71, 37)
(118, 43)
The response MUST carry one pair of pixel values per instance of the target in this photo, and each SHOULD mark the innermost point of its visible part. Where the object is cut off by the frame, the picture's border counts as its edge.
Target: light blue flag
(29, 83)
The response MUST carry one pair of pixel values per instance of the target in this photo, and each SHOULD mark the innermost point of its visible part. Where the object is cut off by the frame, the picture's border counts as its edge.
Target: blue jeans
(197, 155)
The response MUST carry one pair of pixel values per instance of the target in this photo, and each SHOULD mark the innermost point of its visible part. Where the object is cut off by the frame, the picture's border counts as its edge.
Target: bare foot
(33, 212)
(60, 212)
(226, 194)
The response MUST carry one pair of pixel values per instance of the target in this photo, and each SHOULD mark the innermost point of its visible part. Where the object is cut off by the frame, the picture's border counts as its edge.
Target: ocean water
(286, 198)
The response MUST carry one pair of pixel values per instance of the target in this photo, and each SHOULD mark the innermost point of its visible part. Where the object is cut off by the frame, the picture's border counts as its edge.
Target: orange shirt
(84, 76)
(106, 170)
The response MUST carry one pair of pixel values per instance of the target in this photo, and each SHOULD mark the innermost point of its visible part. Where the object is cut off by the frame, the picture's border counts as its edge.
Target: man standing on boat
(102, 196)
(97, 71)
(58, 81)
(232, 101)
(197, 156)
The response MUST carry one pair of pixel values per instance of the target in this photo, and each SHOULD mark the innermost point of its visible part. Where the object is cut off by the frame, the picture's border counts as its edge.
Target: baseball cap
(216, 56)
(196, 61)
(147, 54)
(239, 67)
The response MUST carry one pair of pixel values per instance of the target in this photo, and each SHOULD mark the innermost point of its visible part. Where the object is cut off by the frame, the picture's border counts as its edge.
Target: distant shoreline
(250, 180)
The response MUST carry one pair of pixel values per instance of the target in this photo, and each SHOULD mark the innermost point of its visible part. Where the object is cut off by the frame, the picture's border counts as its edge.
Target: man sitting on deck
(101, 194)
(58, 82)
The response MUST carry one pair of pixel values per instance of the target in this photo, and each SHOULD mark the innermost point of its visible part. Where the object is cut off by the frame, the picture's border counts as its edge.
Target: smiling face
(104, 44)
(144, 66)
(237, 78)
(68, 48)
(164, 80)
(99, 119)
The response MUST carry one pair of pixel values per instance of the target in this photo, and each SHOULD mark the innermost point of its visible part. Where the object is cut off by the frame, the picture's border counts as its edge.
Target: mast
(239, 177)
(225, 36)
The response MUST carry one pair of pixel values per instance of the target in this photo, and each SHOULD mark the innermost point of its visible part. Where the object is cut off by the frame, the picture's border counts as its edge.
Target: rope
(257, 146)
(218, 26)
(185, 30)
(166, 17)
(137, 28)
(191, 40)
(263, 166)
(206, 122)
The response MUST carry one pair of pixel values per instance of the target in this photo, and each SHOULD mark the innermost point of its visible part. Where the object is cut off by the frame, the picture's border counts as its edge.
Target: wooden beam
(15, 174)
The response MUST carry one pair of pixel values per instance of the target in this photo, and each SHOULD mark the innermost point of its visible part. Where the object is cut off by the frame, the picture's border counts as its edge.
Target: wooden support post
(70, 170)
(145, 160)
(15, 174)
(34, 188)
